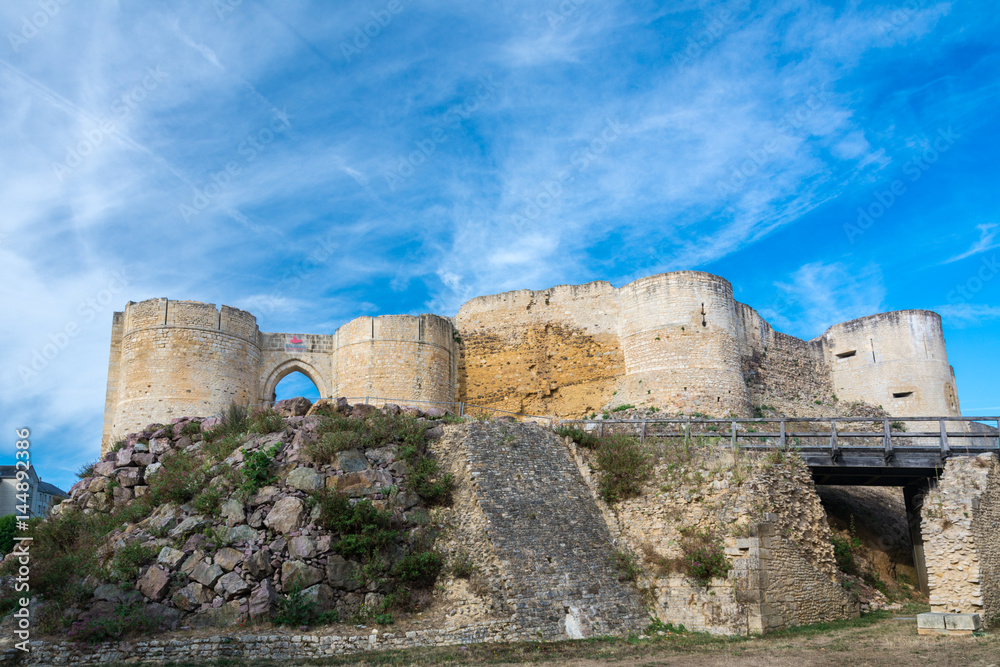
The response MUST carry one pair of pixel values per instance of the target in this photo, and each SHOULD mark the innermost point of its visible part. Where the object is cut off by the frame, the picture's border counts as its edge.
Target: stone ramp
(554, 548)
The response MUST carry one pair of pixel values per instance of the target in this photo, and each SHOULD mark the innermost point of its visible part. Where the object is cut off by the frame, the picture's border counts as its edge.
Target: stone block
(963, 623)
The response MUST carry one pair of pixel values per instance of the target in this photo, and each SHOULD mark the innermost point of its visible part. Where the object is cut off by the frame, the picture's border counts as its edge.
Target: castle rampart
(677, 341)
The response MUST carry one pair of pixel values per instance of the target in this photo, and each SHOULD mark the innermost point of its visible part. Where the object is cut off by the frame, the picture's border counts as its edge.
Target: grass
(265, 421)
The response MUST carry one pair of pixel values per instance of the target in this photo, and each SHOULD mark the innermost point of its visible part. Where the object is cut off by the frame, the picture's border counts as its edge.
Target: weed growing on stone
(257, 471)
(265, 421)
(627, 565)
(579, 436)
(127, 619)
(129, 559)
(624, 468)
(704, 558)
(462, 565)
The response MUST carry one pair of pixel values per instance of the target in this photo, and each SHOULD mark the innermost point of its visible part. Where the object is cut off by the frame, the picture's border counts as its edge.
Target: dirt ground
(874, 641)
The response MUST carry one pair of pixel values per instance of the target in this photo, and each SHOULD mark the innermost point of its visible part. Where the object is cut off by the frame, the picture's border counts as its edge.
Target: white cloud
(987, 235)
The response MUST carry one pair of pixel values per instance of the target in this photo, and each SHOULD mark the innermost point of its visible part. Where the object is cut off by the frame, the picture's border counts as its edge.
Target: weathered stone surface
(305, 479)
(196, 557)
(109, 592)
(232, 511)
(151, 470)
(301, 547)
(321, 595)
(104, 468)
(159, 446)
(99, 485)
(206, 574)
(166, 617)
(237, 534)
(434, 433)
(129, 476)
(351, 460)
(154, 583)
(262, 600)
(342, 574)
(259, 564)
(217, 617)
(354, 484)
(143, 460)
(231, 585)
(191, 597)
(293, 407)
(123, 495)
(170, 557)
(382, 455)
(124, 457)
(286, 515)
(188, 525)
(228, 558)
(296, 573)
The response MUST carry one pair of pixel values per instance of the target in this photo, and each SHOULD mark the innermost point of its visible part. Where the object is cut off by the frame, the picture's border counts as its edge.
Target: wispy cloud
(987, 235)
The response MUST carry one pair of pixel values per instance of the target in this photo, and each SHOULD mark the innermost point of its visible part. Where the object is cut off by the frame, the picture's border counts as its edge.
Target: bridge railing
(944, 436)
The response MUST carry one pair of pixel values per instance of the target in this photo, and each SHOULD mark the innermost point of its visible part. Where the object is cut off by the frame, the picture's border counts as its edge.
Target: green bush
(177, 481)
(420, 569)
(234, 420)
(257, 469)
(326, 448)
(207, 501)
(579, 436)
(127, 562)
(843, 550)
(425, 478)
(86, 470)
(127, 619)
(364, 529)
(219, 448)
(704, 558)
(622, 408)
(624, 467)
(627, 564)
(8, 529)
(462, 566)
(191, 429)
(265, 421)
(295, 609)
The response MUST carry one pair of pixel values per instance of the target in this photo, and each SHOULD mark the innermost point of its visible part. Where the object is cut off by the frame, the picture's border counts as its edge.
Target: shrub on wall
(624, 467)
(704, 558)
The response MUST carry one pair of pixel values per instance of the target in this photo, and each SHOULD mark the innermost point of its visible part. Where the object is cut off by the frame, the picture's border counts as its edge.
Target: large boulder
(191, 597)
(154, 583)
(232, 511)
(351, 460)
(206, 574)
(259, 564)
(295, 573)
(342, 574)
(320, 595)
(293, 407)
(305, 479)
(301, 547)
(286, 515)
(228, 558)
(170, 557)
(231, 585)
(262, 600)
(354, 484)
(129, 477)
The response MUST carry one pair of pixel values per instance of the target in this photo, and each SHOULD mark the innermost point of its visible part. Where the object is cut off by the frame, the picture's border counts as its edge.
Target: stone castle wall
(677, 341)
(960, 524)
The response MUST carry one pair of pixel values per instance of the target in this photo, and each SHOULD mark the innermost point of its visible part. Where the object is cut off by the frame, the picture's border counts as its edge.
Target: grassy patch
(579, 436)
(265, 421)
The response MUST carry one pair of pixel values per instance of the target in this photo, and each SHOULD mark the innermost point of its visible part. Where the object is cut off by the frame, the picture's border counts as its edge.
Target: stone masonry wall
(960, 524)
(553, 551)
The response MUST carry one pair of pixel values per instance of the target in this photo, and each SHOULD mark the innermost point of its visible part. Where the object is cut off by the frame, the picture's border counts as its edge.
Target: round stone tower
(897, 360)
(397, 357)
(178, 358)
(680, 343)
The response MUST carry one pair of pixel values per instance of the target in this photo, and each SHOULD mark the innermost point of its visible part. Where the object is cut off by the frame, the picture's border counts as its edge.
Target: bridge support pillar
(913, 498)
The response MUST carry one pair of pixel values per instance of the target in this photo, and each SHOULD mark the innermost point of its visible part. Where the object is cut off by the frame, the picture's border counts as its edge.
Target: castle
(678, 341)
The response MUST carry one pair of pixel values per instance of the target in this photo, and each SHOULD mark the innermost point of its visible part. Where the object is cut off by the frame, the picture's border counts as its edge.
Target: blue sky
(312, 162)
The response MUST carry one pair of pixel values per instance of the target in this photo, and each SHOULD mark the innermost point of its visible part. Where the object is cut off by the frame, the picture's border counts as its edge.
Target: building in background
(42, 495)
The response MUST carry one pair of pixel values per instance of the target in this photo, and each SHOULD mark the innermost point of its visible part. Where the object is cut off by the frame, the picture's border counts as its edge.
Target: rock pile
(235, 562)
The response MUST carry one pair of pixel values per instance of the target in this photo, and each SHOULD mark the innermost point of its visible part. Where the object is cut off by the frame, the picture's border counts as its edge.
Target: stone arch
(288, 367)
